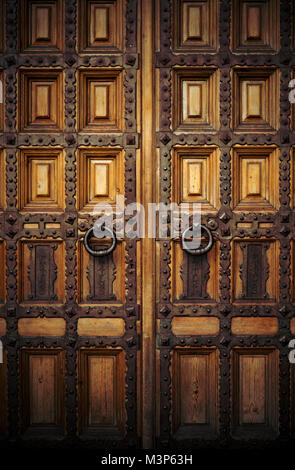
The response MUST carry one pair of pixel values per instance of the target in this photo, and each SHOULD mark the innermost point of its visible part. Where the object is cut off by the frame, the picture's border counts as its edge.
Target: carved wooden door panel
(155, 101)
(69, 141)
(225, 140)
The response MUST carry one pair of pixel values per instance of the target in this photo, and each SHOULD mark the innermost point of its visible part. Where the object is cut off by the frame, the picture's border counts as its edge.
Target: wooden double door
(154, 101)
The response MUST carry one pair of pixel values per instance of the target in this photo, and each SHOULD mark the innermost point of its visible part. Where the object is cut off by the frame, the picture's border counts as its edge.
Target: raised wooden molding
(101, 373)
(255, 173)
(41, 100)
(101, 25)
(255, 26)
(40, 169)
(41, 25)
(195, 173)
(195, 99)
(256, 99)
(255, 392)
(100, 176)
(195, 26)
(101, 100)
(194, 373)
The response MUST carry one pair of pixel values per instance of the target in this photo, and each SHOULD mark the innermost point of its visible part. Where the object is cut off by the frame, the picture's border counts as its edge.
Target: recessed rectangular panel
(101, 25)
(102, 392)
(194, 385)
(41, 176)
(42, 25)
(255, 178)
(254, 326)
(42, 392)
(101, 326)
(255, 392)
(256, 26)
(182, 326)
(195, 178)
(195, 25)
(194, 100)
(41, 326)
(100, 173)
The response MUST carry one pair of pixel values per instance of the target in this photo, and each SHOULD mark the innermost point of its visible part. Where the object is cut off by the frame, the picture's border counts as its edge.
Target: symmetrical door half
(127, 101)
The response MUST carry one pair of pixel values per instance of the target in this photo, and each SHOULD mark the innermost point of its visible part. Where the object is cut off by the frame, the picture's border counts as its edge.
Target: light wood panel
(101, 100)
(195, 99)
(255, 392)
(254, 326)
(255, 26)
(101, 25)
(195, 176)
(40, 170)
(256, 99)
(194, 392)
(101, 326)
(102, 392)
(182, 326)
(2, 326)
(41, 100)
(41, 326)
(255, 178)
(100, 176)
(195, 25)
(42, 25)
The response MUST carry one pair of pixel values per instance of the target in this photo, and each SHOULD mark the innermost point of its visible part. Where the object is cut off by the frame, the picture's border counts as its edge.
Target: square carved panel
(100, 176)
(101, 25)
(256, 94)
(255, 271)
(102, 393)
(101, 279)
(42, 25)
(194, 278)
(256, 25)
(195, 25)
(255, 183)
(42, 392)
(41, 100)
(41, 271)
(195, 99)
(2, 100)
(41, 183)
(195, 392)
(255, 383)
(196, 176)
(101, 100)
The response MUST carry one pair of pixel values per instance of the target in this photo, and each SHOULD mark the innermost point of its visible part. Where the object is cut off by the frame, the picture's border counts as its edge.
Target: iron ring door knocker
(104, 252)
(200, 250)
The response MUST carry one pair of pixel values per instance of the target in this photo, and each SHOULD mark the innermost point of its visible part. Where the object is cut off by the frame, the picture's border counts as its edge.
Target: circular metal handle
(197, 251)
(105, 252)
